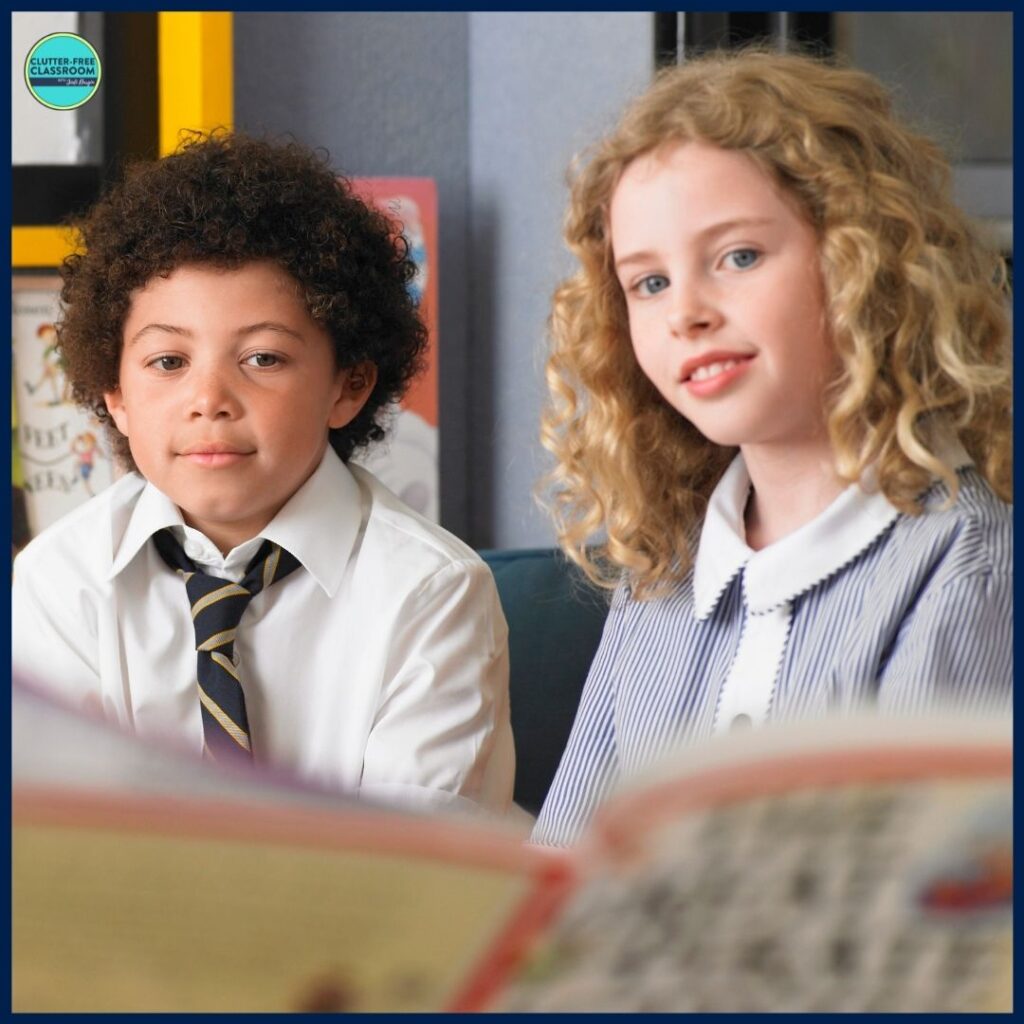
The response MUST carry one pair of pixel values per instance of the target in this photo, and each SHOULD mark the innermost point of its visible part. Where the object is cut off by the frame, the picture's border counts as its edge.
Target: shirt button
(740, 722)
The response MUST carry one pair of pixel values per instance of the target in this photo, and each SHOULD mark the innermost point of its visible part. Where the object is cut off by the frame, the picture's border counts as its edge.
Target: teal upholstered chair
(555, 620)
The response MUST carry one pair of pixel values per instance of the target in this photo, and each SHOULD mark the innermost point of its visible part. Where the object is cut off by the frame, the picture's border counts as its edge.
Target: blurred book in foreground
(841, 865)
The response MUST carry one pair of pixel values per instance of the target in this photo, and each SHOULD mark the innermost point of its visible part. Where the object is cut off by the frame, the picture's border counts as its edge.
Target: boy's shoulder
(399, 533)
(82, 541)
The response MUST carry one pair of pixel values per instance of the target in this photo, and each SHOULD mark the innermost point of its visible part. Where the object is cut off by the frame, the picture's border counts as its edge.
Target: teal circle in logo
(62, 71)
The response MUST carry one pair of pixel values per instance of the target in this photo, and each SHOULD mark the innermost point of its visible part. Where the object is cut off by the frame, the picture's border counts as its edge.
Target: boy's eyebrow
(184, 332)
(710, 232)
(163, 328)
(270, 325)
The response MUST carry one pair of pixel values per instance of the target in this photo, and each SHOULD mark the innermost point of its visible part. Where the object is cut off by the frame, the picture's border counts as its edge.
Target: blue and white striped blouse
(863, 605)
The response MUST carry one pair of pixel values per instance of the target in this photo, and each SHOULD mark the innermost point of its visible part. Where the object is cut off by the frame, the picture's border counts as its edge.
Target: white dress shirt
(379, 666)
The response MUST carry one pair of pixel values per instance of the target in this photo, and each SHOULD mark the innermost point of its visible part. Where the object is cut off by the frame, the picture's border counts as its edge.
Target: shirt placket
(748, 689)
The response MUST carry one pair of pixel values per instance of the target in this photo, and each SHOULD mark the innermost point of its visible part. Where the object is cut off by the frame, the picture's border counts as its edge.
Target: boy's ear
(114, 402)
(355, 385)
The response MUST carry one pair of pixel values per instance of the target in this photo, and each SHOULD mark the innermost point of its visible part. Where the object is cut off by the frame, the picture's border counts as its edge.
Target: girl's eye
(263, 359)
(652, 284)
(742, 259)
(168, 363)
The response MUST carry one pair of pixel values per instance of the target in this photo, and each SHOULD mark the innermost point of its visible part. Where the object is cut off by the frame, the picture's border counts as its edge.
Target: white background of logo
(40, 135)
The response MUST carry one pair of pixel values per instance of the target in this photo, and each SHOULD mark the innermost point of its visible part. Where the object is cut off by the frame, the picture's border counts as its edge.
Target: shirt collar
(319, 524)
(152, 511)
(802, 559)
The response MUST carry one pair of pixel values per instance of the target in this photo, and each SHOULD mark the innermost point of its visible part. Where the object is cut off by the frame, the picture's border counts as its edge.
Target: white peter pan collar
(319, 525)
(800, 560)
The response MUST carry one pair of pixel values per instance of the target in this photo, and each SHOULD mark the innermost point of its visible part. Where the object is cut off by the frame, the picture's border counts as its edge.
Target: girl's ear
(114, 402)
(354, 387)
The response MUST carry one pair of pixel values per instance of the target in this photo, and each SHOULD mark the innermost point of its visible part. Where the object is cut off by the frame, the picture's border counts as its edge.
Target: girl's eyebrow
(710, 232)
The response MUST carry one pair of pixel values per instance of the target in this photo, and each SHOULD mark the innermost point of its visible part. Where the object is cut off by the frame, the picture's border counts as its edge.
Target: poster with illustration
(407, 462)
(59, 453)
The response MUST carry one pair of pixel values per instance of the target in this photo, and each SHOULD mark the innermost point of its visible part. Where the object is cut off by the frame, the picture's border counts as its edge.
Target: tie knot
(217, 608)
(218, 604)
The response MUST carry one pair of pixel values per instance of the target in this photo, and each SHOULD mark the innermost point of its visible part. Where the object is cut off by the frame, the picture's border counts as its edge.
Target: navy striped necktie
(217, 608)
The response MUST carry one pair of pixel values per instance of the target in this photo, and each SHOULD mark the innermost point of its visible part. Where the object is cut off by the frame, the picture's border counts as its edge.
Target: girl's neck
(789, 487)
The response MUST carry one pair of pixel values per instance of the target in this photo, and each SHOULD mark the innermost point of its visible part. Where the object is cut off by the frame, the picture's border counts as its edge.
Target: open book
(839, 865)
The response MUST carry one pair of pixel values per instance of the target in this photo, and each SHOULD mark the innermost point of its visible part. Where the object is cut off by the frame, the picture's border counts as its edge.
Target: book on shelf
(859, 864)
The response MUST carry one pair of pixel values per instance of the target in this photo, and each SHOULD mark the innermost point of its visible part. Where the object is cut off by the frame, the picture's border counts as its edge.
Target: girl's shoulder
(671, 599)
(975, 529)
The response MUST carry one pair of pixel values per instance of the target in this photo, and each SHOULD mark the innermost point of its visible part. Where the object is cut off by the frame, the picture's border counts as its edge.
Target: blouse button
(740, 722)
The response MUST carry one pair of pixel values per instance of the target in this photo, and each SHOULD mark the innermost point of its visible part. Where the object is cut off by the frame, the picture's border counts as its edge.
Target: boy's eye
(652, 284)
(263, 359)
(742, 259)
(168, 363)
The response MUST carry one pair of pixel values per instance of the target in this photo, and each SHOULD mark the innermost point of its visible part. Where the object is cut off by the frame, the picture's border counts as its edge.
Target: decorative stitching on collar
(793, 565)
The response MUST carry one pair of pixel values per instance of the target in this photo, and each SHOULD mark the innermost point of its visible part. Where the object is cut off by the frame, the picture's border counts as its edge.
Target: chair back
(555, 618)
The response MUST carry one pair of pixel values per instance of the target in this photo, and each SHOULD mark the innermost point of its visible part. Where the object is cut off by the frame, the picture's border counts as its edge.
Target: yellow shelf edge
(40, 246)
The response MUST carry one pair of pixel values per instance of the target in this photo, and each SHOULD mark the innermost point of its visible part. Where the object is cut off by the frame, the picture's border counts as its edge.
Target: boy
(240, 322)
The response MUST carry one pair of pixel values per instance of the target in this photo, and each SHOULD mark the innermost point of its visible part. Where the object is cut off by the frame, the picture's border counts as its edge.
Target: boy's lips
(215, 454)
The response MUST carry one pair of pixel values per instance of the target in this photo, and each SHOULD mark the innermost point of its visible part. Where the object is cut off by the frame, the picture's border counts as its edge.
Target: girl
(780, 391)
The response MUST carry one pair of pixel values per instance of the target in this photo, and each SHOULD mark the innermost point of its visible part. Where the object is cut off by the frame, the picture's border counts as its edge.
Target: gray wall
(542, 86)
(492, 106)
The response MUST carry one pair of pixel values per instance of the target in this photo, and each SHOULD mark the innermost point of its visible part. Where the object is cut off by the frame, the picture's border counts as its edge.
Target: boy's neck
(226, 539)
(789, 487)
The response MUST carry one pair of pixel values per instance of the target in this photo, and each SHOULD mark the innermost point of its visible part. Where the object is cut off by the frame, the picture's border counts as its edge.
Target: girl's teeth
(712, 369)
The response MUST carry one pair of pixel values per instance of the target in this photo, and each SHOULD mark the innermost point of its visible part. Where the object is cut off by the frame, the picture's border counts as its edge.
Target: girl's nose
(693, 312)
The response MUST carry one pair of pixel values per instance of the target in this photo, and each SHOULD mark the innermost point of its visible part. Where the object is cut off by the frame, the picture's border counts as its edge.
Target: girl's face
(725, 297)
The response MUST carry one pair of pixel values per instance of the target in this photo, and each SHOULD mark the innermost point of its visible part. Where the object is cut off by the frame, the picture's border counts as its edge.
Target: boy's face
(226, 392)
(724, 292)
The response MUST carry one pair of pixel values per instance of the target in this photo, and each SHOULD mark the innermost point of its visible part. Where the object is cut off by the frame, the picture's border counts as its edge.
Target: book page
(166, 909)
(860, 876)
(143, 880)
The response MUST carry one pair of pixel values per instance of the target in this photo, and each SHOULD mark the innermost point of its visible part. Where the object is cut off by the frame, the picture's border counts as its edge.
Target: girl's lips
(712, 378)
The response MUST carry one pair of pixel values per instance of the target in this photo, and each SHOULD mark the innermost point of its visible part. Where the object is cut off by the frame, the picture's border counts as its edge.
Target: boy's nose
(212, 397)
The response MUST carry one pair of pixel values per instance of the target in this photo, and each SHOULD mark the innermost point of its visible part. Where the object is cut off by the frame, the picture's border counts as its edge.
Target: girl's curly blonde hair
(917, 307)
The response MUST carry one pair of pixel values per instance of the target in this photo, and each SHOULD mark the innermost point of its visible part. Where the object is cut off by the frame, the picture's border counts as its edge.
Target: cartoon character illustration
(52, 370)
(84, 448)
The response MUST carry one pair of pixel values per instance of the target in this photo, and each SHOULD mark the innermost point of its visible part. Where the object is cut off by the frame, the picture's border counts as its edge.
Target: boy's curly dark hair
(227, 199)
